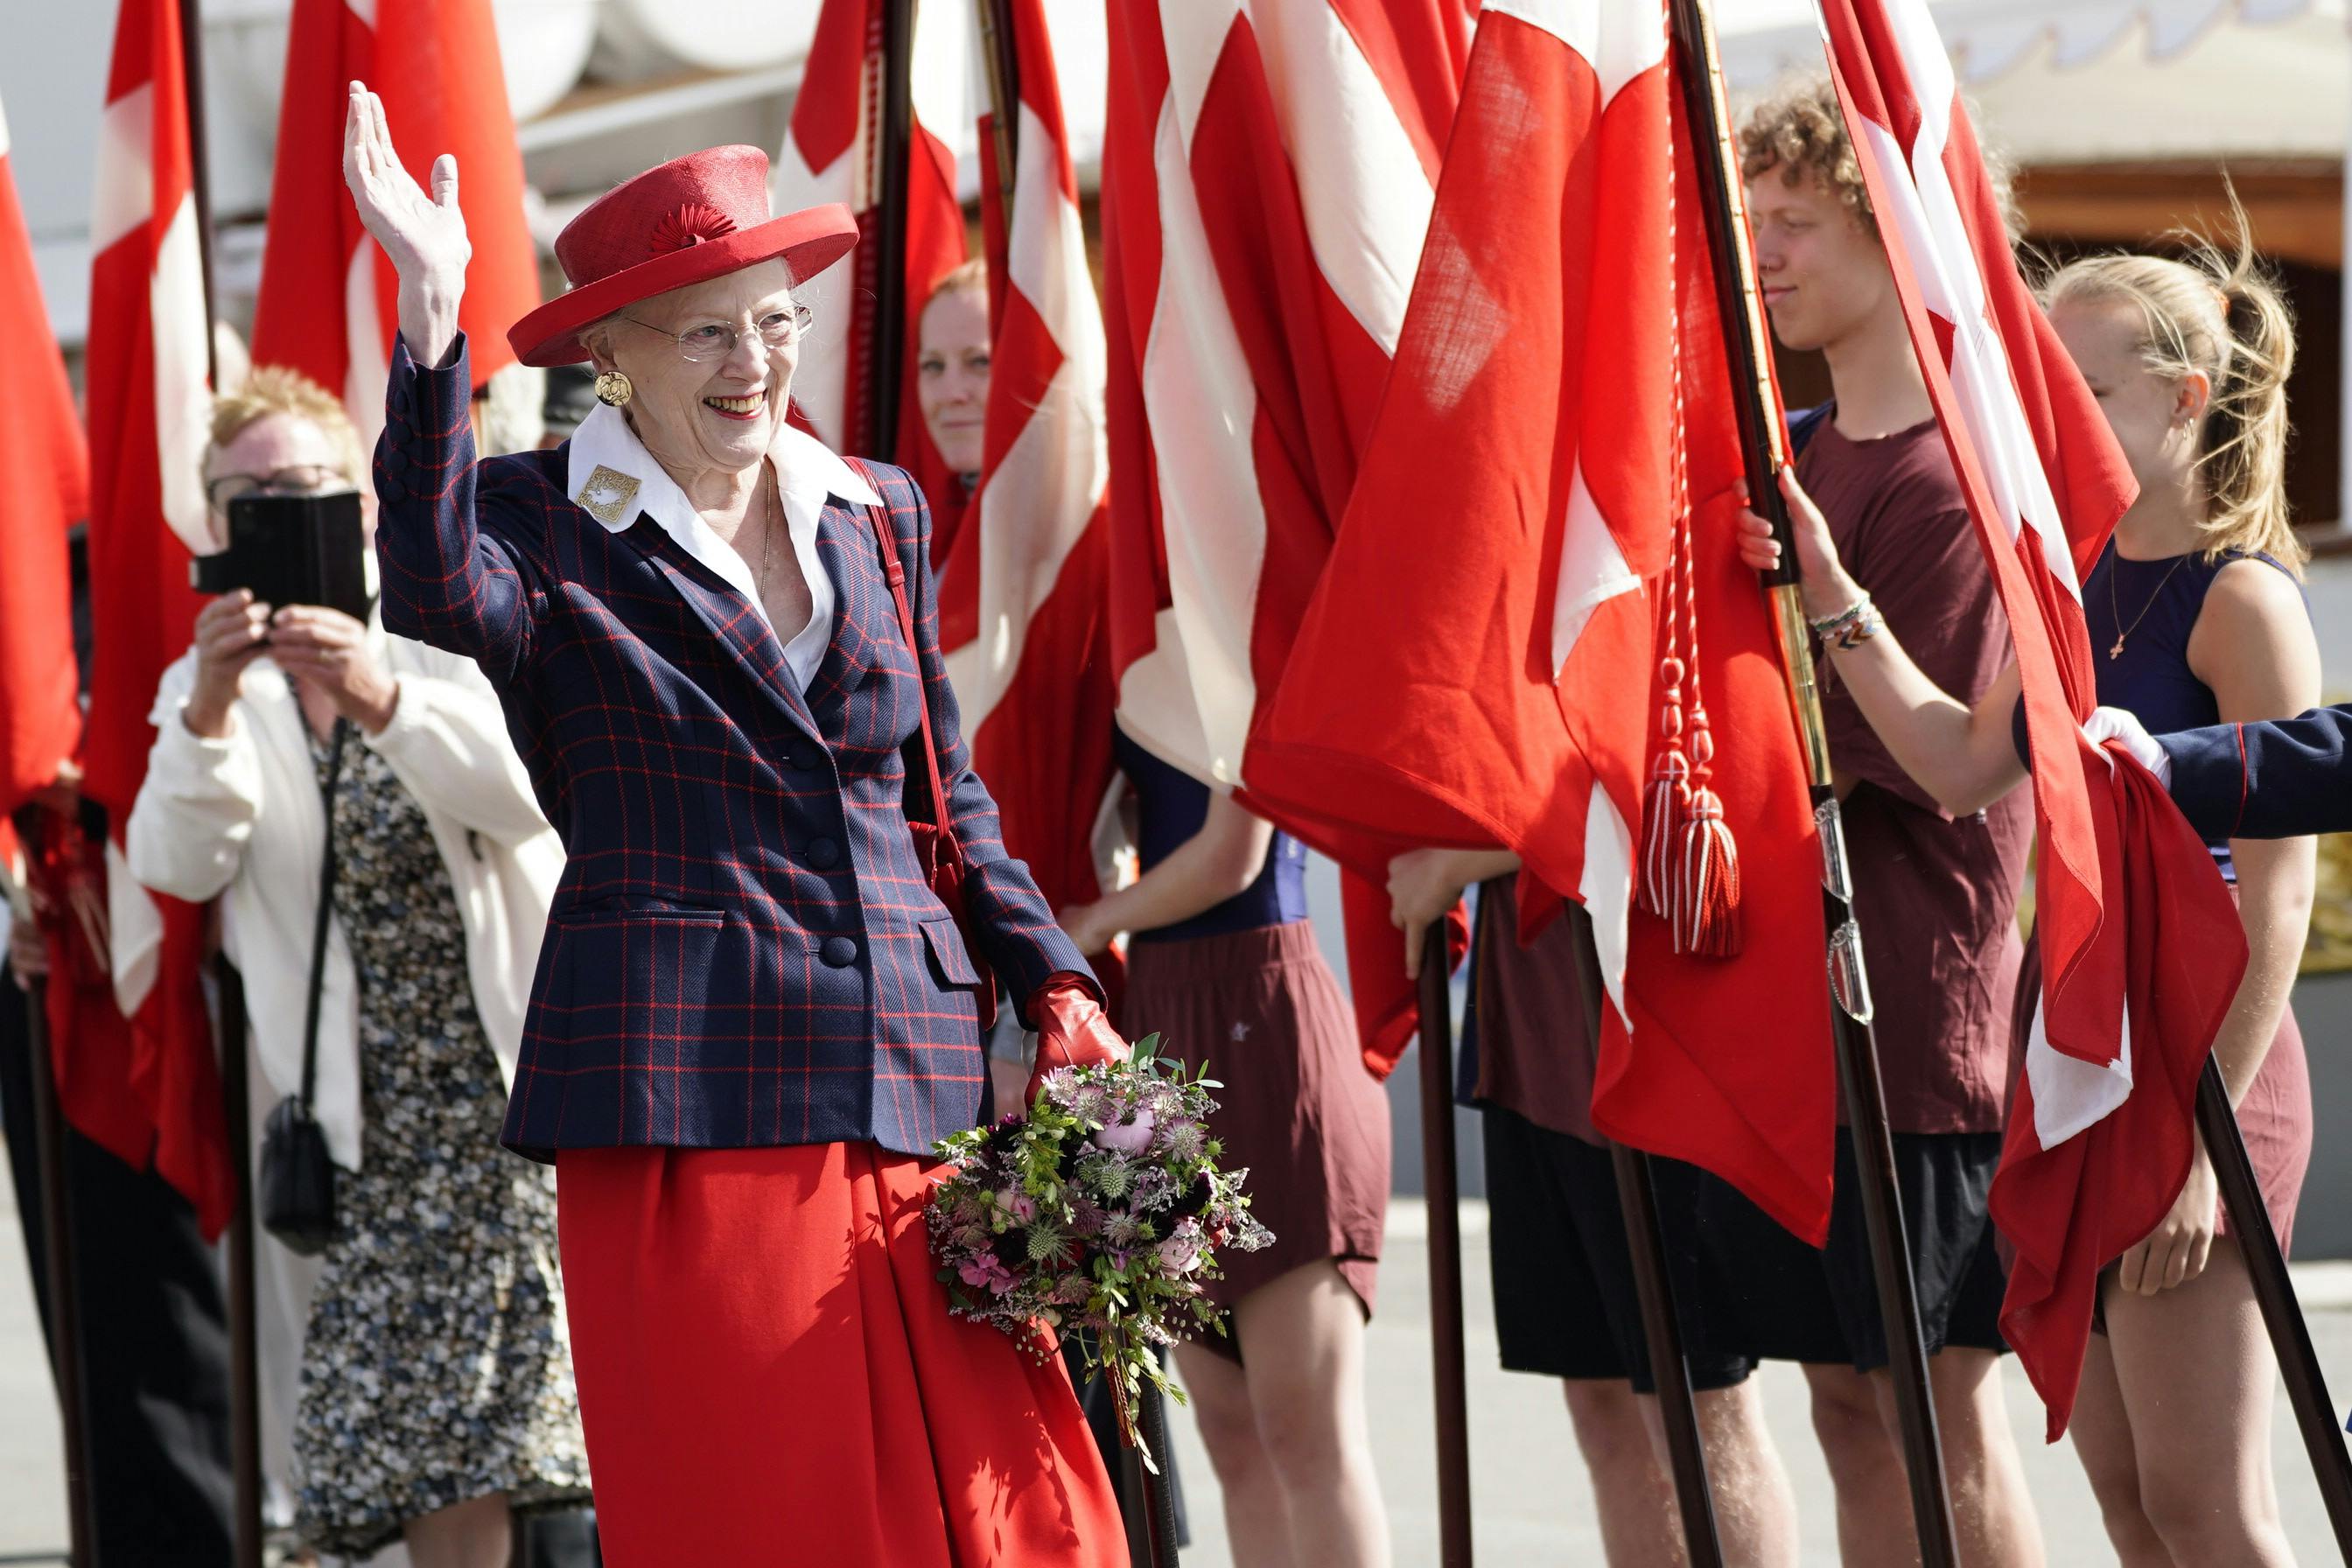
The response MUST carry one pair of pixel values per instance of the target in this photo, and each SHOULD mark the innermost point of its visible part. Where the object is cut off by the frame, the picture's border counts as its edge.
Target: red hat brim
(809, 241)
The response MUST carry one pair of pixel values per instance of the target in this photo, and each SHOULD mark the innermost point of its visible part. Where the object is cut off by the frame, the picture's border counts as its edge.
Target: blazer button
(823, 853)
(838, 952)
(806, 759)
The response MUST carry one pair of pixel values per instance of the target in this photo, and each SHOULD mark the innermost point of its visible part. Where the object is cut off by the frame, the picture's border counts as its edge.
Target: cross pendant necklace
(2116, 651)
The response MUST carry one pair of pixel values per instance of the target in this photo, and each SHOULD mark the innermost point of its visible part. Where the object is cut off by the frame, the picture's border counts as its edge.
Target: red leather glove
(1072, 1029)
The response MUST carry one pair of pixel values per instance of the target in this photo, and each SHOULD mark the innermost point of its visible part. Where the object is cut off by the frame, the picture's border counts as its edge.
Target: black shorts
(1565, 1304)
(1796, 1303)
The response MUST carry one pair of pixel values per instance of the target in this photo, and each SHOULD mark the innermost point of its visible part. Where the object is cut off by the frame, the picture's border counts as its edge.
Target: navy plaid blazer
(742, 951)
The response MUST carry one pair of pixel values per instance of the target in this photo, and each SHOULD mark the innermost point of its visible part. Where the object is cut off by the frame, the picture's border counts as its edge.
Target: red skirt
(768, 1373)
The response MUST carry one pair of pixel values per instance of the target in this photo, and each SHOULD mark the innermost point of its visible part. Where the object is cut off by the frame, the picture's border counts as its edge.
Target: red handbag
(937, 849)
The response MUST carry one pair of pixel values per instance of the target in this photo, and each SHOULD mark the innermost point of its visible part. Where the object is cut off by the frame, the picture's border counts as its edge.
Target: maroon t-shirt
(1936, 896)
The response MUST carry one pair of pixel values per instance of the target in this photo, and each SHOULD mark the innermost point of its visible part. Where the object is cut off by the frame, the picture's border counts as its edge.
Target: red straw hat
(678, 223)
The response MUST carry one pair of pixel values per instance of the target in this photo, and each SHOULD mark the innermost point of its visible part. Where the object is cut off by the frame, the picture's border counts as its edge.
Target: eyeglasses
(303, 479)
(717, 340)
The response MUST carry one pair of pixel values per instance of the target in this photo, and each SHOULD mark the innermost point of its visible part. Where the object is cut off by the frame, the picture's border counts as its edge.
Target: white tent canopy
(2078, 81)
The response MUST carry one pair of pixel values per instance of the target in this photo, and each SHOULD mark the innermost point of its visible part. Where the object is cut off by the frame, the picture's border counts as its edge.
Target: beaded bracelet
(1857, 623)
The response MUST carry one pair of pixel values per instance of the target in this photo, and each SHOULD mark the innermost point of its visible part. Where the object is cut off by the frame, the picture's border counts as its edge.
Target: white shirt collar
(613, 477)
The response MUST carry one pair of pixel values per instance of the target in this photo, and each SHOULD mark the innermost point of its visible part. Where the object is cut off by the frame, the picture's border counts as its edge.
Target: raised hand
(424, 235)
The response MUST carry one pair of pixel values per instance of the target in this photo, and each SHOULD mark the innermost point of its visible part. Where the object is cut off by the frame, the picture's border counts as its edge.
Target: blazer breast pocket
(642, 977)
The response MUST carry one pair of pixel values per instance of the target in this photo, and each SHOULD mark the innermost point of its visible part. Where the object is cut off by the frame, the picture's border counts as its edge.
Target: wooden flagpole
(1637, 1198)
(2306, 1385)
(886, 345)
(244, 1351)
(1699, 67)
(1443, 1199)
(58, 1266)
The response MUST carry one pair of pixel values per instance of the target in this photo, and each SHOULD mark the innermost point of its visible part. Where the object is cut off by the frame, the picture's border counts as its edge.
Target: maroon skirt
(1260, 1011)
(2275, 1116)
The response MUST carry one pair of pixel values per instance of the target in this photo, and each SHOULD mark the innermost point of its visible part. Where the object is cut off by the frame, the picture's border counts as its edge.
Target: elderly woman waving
(752, 1017)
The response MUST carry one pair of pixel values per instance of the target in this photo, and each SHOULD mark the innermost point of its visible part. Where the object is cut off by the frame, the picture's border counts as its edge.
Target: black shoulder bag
(298, 1175)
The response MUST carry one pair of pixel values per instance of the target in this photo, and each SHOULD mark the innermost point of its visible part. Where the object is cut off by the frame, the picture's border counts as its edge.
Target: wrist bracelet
(1826, 627)
(1857, 623)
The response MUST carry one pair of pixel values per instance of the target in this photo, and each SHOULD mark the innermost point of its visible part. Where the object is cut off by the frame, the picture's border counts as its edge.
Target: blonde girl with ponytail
(2196, 617)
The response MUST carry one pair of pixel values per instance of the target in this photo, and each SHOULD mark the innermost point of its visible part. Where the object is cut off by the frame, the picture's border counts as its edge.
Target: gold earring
(613, 388)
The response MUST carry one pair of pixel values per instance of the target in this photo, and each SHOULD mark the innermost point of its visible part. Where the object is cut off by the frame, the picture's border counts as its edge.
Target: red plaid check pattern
(742, 951)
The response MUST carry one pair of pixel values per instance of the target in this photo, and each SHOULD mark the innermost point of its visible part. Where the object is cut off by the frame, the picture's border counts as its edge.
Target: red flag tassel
(1706, 862)
(1668, 798)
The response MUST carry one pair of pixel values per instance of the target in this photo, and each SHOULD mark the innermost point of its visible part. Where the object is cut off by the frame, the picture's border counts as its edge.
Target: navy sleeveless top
(1171, 804)
(2152, 606)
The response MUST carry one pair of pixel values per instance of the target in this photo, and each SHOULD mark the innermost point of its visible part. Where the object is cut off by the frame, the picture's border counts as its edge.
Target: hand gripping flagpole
(2250, 1219)
(1444, 1250)
(1699, 69)
(60, 1270)
(244, 1353)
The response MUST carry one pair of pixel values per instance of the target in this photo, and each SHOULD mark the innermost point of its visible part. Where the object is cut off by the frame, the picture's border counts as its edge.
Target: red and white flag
(145, 372)
(2141, 946)
(1268, 171)
(44, 490)
(1481, 662)
(1022, 589)
(833, 153)
(329, 304)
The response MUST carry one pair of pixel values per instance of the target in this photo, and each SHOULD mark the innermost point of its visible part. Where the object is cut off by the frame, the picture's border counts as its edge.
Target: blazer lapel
(864, 617)
(738, 626)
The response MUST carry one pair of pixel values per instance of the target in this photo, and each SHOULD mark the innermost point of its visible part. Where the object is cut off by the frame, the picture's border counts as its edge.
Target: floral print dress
(436, 1367)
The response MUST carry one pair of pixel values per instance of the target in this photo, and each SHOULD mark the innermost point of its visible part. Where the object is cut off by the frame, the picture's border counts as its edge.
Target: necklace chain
(2117, 649)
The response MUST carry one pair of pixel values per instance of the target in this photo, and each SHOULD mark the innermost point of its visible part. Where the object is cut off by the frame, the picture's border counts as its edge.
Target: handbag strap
(335, 745)
(878, 520)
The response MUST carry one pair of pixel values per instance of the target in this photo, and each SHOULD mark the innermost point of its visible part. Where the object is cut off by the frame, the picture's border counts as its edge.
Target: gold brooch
(606, 495)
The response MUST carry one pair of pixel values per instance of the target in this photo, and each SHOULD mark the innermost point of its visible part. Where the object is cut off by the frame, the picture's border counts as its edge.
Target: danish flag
(1020, 591)
(1480, 665)
(833, 153)
(145, 369)
(329, 304)
(2142, 949)
(1268, 170)
(44, 490)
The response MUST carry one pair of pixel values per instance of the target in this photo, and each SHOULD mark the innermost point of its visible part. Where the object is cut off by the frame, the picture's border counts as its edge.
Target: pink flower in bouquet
(1017, 1204)
(986, 1269)
(1180, 1253)
(1132, 1136)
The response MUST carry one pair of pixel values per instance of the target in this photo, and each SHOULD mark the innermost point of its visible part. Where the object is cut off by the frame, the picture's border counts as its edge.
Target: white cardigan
(242, 814)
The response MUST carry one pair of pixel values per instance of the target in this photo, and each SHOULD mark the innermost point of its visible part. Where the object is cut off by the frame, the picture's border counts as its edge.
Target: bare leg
(1257, 1520)
(1755, 1506)
(1873, 1495)
(2103, 1440)
(2196, 1371)
(1302, 1341)
(1632, 1495)
(476, 1533)
(1992, 1514)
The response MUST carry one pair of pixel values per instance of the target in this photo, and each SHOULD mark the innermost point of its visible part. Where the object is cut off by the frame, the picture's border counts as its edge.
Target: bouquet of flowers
(1103, 1209)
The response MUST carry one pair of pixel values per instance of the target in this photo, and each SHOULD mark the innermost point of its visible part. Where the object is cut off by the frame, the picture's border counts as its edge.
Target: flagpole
(59, 1266)
(1637, 1197)
(244, 1346)
(1857, 1050)
(2250, 1221)
(894, 142)
(1004, 62)
(1444, 1200)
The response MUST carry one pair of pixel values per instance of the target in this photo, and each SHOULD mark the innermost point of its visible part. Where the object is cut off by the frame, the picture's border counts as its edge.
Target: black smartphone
(292, 550)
